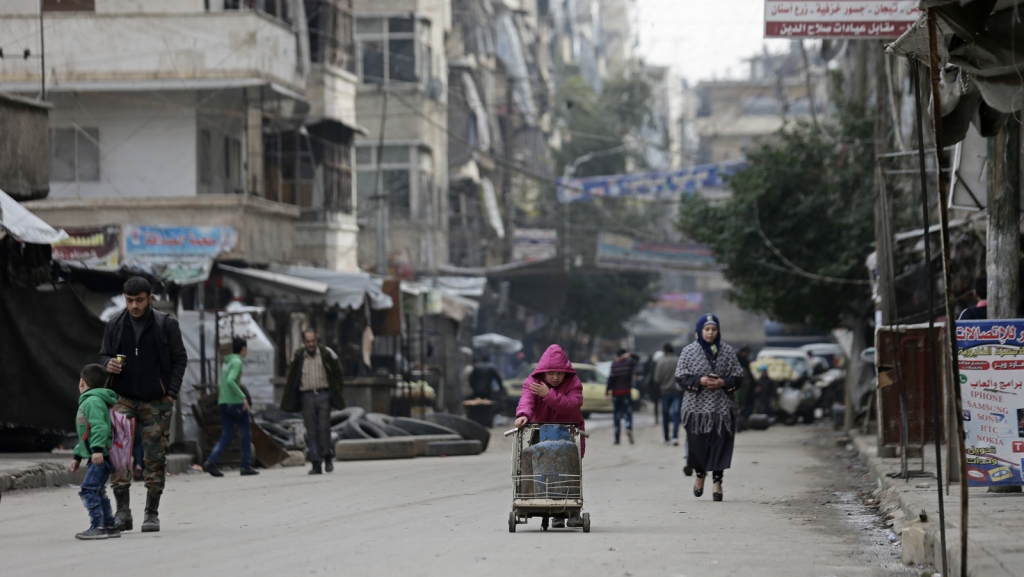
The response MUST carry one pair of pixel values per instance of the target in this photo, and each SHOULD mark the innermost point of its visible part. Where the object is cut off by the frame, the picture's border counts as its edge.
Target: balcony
(95, 51)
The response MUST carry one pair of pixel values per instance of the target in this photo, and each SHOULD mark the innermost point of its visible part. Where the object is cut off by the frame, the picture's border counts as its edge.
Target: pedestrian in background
(314, 385)
(234, 411)
(486, 382)
(143, 351)
(95, 435)
(979, 311)
(650, 385)
(620, 389)
(744, 395)
(709, 373)
(671, 395)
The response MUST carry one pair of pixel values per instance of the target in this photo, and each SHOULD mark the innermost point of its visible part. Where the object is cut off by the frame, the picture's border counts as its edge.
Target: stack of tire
(385, 436)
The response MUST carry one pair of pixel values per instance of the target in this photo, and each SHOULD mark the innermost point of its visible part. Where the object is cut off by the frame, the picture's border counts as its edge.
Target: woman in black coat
(709, 374)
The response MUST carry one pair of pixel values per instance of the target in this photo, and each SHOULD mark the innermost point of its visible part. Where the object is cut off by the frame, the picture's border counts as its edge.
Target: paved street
(790, 510)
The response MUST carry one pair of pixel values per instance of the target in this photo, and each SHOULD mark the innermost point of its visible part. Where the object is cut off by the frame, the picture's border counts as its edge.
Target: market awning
(20, 223)
(346, 290)
(282, 281)
(983, 39)
(453, 305)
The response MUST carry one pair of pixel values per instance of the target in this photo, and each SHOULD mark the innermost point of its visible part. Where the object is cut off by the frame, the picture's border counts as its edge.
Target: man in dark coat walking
(314, 386)
(143, 352)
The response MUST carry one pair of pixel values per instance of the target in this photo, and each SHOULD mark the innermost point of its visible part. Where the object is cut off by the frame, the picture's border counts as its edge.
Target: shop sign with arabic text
(839, 18)
(991, 364)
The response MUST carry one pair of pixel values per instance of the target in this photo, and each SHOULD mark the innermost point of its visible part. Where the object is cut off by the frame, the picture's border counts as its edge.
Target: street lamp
(567, 173)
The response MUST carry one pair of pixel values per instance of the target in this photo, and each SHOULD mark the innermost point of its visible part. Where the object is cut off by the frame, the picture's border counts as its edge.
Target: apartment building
(401, 162)
(197, 112)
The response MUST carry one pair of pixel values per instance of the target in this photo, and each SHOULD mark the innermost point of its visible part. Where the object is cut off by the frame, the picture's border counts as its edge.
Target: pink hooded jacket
(563, 403)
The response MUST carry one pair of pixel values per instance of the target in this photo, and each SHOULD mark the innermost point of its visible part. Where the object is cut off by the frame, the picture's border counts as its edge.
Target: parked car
(594, 382)
(798, 360)
(831, 353)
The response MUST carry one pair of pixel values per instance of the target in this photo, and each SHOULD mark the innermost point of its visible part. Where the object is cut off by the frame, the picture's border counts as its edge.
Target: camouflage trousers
(154, 419)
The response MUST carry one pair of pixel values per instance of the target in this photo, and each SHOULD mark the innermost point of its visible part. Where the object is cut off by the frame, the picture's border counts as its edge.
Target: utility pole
(382, 199)
(506, 175)
(1003, 256)
(42, 54)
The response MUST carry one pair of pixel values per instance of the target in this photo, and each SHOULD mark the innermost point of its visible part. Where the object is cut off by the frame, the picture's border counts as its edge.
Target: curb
(56, 474)
(921, 541)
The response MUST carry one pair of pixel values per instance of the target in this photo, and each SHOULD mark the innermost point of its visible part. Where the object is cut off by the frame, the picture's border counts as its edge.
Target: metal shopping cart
(547, 475)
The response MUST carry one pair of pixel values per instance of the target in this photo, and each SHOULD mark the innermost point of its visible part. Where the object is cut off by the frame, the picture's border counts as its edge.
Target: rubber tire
(349, 413)
(360, 429)
(394, 431)
(586, 522)
(467, 429)
(511, 522)
(418, 427)
(379, 419)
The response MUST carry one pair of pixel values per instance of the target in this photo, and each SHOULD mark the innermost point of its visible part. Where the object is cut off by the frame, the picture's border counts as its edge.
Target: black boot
(123, 516)
(328, 465)
(151, 524)
(316, 470)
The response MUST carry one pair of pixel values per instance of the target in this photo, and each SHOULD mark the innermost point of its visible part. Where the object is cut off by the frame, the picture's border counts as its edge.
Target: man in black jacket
(143, 352)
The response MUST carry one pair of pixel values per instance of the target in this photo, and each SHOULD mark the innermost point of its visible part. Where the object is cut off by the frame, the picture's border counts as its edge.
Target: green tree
(600, 301)
(811, 191)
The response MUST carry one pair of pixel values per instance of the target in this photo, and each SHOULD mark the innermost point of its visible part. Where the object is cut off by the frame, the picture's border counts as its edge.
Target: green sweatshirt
(230, 381)
(93, 422)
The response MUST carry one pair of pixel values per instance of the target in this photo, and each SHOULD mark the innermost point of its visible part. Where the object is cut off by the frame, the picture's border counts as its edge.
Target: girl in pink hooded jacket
(552, 394)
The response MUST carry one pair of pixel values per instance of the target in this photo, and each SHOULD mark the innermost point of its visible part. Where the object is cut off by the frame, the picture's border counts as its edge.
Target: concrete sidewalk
(996, 520)
(35, 470)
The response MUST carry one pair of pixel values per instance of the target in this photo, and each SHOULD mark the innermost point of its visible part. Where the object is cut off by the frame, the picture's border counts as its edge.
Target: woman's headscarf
(711, 349)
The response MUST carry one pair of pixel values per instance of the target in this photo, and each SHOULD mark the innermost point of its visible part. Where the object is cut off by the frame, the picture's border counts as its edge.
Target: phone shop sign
(991, 363)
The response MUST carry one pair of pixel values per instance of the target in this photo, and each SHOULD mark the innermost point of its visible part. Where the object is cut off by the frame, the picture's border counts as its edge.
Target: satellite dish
(435, 88)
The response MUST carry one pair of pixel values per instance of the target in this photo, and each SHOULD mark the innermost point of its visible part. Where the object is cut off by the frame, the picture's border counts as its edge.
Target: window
(205, 159)
(394, 178)
(330, 32)
(75, 154)
(276, 8)
(233, 164)
(69, 5)
(389, 49)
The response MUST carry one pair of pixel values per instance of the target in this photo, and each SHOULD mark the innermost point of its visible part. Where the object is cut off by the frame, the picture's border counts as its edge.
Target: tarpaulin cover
(25, 226)
(46, 337)
(348, 290)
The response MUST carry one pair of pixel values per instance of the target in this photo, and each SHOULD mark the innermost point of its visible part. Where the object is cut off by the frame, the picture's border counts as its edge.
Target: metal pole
(42, 54)
(936, 397)
(382, 200)
(933, 64)
(202, 334)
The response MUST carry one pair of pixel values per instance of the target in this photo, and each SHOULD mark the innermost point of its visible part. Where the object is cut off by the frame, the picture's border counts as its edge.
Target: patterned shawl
(708, 410)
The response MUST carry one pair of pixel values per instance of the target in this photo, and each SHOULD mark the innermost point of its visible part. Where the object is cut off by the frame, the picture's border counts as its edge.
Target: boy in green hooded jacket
(95, 436)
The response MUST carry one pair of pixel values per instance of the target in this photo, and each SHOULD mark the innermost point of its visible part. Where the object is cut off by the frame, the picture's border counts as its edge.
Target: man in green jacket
(234, 411)
(314, 385)
(95, 435)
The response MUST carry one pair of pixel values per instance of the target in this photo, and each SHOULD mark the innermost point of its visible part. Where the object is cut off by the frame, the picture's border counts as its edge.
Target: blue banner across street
(650, 185)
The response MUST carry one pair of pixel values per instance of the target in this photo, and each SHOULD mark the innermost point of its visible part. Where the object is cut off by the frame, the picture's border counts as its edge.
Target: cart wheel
(511, 522)
(586, 522)
(544, 523)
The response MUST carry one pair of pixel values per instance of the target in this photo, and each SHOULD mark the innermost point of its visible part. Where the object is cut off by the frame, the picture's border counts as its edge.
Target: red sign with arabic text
(839, 18)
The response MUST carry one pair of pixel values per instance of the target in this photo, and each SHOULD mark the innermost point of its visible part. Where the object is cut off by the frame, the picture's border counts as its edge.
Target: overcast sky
(703, 38)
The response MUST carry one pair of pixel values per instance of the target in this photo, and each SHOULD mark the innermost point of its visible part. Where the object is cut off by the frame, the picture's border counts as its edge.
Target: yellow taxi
(594, 385)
